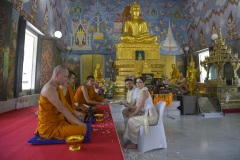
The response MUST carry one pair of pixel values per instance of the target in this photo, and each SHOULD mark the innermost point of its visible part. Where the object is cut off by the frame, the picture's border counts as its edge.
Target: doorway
(89, 62)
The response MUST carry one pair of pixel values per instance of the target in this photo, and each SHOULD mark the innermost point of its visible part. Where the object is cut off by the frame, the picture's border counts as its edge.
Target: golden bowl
(74, 141)
(98, 115)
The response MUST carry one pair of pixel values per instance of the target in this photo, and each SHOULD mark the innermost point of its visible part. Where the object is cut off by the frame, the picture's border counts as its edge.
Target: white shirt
(132, 95)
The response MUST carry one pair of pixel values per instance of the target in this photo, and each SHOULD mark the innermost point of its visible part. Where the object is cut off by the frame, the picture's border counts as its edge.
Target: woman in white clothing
(144, 114)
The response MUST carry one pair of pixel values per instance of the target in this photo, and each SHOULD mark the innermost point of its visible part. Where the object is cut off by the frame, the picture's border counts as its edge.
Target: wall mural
(12, 54)
(47, 16)
(95, 26)
(207, 17)
(73, 63)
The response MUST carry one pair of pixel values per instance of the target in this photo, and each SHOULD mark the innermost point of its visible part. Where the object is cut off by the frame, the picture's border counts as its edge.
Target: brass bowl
(74, 141)
(98, 115)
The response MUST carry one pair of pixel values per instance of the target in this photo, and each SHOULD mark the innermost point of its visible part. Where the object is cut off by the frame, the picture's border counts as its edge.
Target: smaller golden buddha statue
(136, 29)
(139, 56)
(175, 74)
(97, 73)
(191, 75)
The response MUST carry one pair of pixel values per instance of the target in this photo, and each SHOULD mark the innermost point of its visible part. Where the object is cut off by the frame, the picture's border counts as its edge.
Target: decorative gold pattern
(220, 55)
(127, 63)
(46, 62)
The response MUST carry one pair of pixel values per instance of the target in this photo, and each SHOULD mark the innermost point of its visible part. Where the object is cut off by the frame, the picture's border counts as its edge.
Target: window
(201, 56)
(29, 61)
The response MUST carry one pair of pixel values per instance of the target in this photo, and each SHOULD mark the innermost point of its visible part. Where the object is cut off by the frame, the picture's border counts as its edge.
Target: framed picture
(139, 55)
(148, 78)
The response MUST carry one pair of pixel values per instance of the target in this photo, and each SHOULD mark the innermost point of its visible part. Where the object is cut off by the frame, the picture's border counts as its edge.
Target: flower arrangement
(179, 88)
(98, 89)
(105, 88)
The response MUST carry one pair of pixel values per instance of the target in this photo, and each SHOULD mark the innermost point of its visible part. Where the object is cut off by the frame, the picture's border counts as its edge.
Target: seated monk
(55, 118)
(68, 93)
(135, 29)
(85, 94)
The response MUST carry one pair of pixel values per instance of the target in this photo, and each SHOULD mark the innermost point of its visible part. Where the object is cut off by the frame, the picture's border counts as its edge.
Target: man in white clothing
(132, 95)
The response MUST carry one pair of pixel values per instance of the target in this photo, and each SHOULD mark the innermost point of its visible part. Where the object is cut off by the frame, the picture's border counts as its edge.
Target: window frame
(33, 31)
(34, 58)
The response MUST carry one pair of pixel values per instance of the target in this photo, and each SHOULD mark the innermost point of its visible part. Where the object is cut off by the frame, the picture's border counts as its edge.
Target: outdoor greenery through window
(202, 54)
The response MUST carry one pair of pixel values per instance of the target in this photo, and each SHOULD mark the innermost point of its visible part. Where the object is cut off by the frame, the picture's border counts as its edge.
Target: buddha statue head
(135, 10)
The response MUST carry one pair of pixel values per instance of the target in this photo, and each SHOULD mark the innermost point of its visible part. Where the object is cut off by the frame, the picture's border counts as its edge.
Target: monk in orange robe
(67, 89)
(56, 119)
(68, 93)
(85, 94)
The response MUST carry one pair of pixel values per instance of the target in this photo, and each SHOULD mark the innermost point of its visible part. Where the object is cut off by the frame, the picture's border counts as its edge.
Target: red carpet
(17, 126)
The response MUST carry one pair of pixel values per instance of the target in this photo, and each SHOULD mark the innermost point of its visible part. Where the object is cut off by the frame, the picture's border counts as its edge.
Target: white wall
(25, 101)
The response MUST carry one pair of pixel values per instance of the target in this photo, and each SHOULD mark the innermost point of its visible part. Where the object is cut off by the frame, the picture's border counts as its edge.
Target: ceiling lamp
(214, 36)
(186, 48)
(57, 34)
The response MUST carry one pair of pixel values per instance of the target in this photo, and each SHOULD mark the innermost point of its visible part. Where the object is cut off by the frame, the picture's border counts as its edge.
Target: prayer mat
(37, 139)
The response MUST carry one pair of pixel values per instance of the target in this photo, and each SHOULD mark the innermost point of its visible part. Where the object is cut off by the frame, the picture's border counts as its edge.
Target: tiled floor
(191, 137)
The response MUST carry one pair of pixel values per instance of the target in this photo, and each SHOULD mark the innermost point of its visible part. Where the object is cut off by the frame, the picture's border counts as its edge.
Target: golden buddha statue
(97, 73)
(136, 29)
(139, 56)
(191, 76)
(175, 74)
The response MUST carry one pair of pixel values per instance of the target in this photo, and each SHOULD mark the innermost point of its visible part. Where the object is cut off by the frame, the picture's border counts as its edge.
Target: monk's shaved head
(59, 69)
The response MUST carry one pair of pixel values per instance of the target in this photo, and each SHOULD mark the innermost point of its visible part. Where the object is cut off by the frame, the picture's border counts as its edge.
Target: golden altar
(135, 60)
(223, 61)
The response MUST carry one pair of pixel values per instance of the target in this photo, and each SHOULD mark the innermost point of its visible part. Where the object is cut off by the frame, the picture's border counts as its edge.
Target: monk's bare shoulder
(48, 90)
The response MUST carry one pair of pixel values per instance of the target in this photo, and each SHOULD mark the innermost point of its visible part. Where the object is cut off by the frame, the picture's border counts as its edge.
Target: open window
(201, 56)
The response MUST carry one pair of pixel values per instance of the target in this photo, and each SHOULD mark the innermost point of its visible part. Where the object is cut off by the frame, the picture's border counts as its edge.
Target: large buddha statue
(136, 29)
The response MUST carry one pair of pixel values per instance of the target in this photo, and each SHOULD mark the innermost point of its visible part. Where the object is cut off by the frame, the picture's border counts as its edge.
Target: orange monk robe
(53, 124)
(79, 97)
(70, 99)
